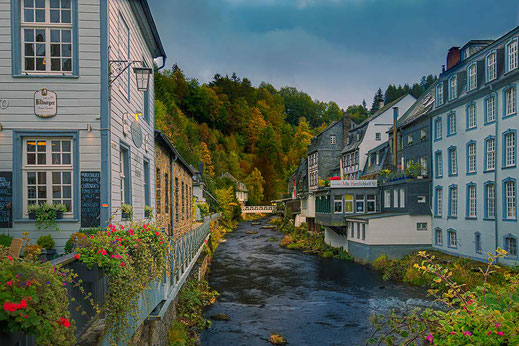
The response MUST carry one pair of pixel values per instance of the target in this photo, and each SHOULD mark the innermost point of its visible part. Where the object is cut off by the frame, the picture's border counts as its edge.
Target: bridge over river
(266, 289)
(258, 209)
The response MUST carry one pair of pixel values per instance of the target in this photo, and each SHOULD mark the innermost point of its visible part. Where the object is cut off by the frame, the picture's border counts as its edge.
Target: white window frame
(349, 201)
(473, 195)
(511, 208)
(452, 239)
(372, 200)
(471, 153)
(387, 199)
(439, 236)
(512, 55)
(491, 200)
(48, 168)
(402, 198)
(420, 226)
(47, 26)
(510, 143)
(472, 77)
(453, 88)
(438, 125)
(508, 246)
(439, 202)
(491, 67)
(491, 154)
(454, 161)
(337, 200)
(439, 94)
(471, 116)
(491, 109)
(511, 101)
(452, 123)
(454, 201)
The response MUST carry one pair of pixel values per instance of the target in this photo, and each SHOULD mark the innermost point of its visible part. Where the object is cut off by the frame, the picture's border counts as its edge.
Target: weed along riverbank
(269, 293)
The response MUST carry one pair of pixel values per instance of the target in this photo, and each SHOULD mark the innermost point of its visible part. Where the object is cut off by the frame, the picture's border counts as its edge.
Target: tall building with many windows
(474, 148)
(76, 114)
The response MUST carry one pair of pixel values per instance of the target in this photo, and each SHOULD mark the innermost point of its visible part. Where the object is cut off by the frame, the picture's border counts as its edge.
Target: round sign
(137, 134)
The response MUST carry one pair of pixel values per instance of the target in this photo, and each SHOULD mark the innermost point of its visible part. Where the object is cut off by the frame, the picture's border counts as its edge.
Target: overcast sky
(340, 50)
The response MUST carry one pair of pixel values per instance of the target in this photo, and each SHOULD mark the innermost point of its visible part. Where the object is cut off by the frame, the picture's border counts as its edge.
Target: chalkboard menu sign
(90, 199)
(6, 199)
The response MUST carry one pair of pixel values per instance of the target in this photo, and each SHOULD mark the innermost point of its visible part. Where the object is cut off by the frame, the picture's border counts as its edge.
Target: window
(363, 231)
(402, 198)
(423, 135)
(438, 129)
(471, 157)
(452, 239)
(183, 202)
(48, 171)
(421, 226)
(490, 109)
(453, 161)
(453, 201)
(371, 203)
(439, 201)
(395, 198)
(511, 246)
(511, 49)
(438, 236)
(490, 200)
(177, 200)
(491, 67)
(377, 158)
(490, 154)
(410, 140)
(359, 203)
(146, 169)
(451, 120)
(387, 199)
(439, 94)
(477, 242)
(166, 193)
(348, 203)
(439, 164)
(124, 172)
(358, 136)
(423, 164)
(333, 139)
(453, 88)
(471, 116)
(378, 136)
(473, 77)
(510, 101)
(471, 201)
(47, 32)
(124, 54)
(509, 139)
(158, 193)
(352, 229)
(510, 199)
(337, 204)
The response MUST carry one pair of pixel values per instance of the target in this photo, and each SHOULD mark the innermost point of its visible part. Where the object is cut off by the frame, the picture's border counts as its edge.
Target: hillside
(258, 134)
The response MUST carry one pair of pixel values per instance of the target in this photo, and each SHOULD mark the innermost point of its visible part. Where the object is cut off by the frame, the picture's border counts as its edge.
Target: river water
(267, 289)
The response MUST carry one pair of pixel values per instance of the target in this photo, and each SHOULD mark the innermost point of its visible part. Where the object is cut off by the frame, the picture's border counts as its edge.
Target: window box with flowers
(148, 212)
(126, 212)
(46, 214)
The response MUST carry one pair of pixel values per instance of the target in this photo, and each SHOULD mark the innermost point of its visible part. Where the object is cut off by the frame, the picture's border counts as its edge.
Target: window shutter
(500, 62)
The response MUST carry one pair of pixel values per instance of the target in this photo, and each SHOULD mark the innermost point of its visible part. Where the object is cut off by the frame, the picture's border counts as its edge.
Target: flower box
(85, 274)
(32, 215)
(125, 216)
(147, 214)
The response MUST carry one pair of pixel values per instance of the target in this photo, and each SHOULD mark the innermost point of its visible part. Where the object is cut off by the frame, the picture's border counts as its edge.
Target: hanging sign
(45, 103)
(353, 183)
(137, 136)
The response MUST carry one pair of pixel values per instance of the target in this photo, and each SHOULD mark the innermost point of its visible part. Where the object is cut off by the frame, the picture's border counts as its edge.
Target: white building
(75, 129)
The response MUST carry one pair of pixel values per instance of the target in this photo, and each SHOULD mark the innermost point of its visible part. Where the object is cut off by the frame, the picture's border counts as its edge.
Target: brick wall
(182, 200)
(163, 188)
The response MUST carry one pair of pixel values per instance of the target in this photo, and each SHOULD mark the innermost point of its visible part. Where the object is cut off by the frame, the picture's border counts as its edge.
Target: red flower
(122, 264)
(76, 256)
(23, 304)
(28, 283)
(11, 307)
(9, 283)
(500, 333)
(157, 234)
(10, 258)
(63, 322)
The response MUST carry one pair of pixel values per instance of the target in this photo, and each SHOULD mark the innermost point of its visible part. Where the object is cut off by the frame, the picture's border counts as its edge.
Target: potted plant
(126, 211)
(148, 212)
(47, 243)
(46, 214)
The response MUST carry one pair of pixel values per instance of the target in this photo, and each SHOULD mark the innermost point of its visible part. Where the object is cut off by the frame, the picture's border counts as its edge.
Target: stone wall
(163, 189)
(183, 200)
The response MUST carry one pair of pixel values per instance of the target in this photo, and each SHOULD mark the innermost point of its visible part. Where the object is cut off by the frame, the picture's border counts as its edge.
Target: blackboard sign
(90, 199)
(6, 199)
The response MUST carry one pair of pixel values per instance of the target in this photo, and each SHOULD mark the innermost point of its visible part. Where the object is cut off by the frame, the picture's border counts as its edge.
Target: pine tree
(379, 97)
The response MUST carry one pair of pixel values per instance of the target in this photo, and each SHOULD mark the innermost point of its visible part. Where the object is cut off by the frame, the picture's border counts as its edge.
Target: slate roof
(423, 105)
(383, 149)
(380, 111)
(354, 143)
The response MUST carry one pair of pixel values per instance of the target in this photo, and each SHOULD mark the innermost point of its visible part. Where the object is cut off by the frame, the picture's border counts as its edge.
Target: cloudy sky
(340, 50)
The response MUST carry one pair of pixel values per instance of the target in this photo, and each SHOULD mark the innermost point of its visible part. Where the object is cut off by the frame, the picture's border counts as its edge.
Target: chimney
(453, 57)
(395, 118)
(380, 104)
(443, 68)
(346, 125)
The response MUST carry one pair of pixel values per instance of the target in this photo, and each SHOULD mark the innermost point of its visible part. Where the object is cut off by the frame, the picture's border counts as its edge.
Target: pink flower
(489, 332)
(131, 232)
(9, 283)
(28, 283)
(10, 258)
(429, 338)
(498, 325)
(453, 333)
(500, 333)
(122, 264)
(467, 333)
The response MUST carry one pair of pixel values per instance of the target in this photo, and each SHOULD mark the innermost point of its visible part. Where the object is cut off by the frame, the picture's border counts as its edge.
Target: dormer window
(511, 55)
(491, 67)
(473, 77)
(453, 88)
(439, 94)
(358, 136)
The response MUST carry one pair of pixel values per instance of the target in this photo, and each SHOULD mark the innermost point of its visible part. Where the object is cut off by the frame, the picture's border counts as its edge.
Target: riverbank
(299, 238)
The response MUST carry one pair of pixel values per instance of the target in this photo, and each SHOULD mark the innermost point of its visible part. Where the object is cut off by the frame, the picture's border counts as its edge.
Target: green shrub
(46, 242)
(5, 240)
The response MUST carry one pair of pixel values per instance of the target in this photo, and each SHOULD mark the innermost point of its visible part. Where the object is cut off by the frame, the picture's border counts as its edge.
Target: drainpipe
(496, 233)
(395, 118)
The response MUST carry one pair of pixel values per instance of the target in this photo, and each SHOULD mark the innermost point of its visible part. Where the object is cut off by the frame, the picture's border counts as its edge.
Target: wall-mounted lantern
(142, 74)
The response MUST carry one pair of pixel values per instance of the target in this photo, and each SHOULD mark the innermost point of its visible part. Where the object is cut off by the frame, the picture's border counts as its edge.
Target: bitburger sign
(45, 103)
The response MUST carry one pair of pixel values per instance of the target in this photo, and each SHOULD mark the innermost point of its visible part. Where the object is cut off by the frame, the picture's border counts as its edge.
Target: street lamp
(142, 74)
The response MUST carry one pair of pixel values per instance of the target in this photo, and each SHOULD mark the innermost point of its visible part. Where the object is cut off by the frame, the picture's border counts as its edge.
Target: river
(267, 289)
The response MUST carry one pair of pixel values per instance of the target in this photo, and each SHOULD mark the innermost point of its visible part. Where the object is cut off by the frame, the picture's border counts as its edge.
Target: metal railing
(258, 209)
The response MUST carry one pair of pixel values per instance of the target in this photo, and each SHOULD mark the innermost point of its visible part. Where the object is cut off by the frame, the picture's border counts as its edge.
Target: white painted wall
(336, 240)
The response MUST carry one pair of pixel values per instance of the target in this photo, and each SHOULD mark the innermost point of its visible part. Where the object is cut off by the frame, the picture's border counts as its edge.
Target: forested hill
(258, 134)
